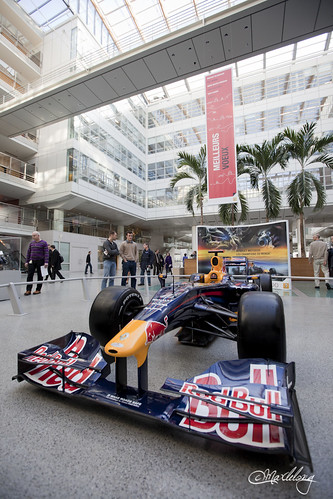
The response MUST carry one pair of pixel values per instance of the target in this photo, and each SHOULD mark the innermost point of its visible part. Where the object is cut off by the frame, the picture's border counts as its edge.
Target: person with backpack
(55, 263)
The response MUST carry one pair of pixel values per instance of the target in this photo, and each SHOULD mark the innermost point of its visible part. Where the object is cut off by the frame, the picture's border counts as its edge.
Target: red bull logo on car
(202, 405)
(51, 375)
(155, 330)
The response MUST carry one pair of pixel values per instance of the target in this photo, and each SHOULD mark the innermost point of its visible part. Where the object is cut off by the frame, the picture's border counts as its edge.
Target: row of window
(159, 198)
(177, 140)
(284, 84)
(249, 94)
(281, 117)
(162, 169)
(176, 112)
(121, 123)
(92, 19)
(80, 128)
(82, 167)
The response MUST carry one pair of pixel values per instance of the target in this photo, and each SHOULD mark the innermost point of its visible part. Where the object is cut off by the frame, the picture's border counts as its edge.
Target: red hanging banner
(221, 154)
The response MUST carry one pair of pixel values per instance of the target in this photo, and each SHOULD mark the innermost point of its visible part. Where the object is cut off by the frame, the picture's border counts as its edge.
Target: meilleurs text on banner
(221, 153)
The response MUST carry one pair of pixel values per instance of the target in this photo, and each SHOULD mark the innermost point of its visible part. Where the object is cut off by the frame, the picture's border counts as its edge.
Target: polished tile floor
(54, 447)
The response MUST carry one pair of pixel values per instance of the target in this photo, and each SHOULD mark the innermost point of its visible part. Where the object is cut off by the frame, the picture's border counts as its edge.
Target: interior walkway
(54, 447)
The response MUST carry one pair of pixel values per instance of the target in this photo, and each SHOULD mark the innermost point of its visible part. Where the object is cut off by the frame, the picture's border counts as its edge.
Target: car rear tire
(112, 309)
(266, 282)
(261, 327)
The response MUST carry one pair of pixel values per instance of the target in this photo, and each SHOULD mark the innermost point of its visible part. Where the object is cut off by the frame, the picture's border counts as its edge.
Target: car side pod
(249, 403)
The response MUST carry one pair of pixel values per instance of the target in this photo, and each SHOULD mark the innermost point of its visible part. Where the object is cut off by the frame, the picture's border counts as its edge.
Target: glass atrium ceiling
(131, 23)
(124, 18)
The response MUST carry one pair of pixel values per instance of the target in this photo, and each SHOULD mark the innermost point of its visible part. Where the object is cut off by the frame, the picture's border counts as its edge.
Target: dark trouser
(157, 269)
(55, 272)
(143, 270)
(129, 267)
(35, 265)
(49, 269)
(90, 266)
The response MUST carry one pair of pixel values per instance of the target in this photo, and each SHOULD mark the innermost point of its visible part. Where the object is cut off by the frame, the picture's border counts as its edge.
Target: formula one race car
(249, 402)
(208, 306)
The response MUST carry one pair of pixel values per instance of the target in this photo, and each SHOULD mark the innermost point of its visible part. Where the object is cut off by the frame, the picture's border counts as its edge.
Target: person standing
(55, 263)
(129, 253)
(110, 253)
(330, 261)
(146, 263)
(88, 263)
(158, 262)
(318, 253)
(37, 257)
(49, 269)
(168, 263)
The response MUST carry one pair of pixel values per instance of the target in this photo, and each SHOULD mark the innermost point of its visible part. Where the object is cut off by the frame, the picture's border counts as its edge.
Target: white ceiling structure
(237, 30)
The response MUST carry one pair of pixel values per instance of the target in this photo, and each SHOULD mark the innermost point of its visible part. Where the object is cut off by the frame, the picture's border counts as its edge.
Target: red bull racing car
(250, 402)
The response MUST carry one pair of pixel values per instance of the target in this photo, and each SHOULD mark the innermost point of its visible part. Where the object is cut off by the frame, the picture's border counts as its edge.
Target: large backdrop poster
(265, 245)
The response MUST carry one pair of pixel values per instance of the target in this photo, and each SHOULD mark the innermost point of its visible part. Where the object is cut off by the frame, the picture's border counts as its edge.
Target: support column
(120, 232)
(298, 236)
(58, 220)
(194, 238)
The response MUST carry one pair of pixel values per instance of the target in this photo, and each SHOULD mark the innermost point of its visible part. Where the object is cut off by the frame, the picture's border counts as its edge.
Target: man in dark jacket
(147, 262)
(158, 262)
(49, 269)
(110, 253)
(88, 263)
(55, 263)
(37, 257)
(330, 260)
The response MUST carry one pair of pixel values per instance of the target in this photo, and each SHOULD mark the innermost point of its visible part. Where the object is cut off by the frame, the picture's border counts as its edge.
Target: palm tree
(305, 148)
(260, 159)
(227, 212)
(194, 168)
(198, 192)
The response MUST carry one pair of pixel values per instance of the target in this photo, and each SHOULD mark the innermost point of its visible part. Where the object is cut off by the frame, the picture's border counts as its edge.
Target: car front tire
(112, 309)
(261, 327)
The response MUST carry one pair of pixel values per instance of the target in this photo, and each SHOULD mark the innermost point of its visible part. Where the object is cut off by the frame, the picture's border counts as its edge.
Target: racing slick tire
(261, 327)
(112, 309)
(265, 281)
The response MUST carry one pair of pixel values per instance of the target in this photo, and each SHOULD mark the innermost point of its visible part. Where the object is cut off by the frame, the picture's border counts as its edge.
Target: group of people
(128, 251)
(322, 258)
(39, 255)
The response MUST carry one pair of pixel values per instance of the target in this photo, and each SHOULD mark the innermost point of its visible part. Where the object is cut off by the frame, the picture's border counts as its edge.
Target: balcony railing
(16, 215)
(35, 57)
(16, 168)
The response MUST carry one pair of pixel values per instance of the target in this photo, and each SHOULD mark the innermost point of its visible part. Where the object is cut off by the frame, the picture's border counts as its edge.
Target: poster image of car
(266, 246)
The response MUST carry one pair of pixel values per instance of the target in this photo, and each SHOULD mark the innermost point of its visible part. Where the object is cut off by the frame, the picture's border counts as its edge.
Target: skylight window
(249, 65)
(311, 46)
(279, 56)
